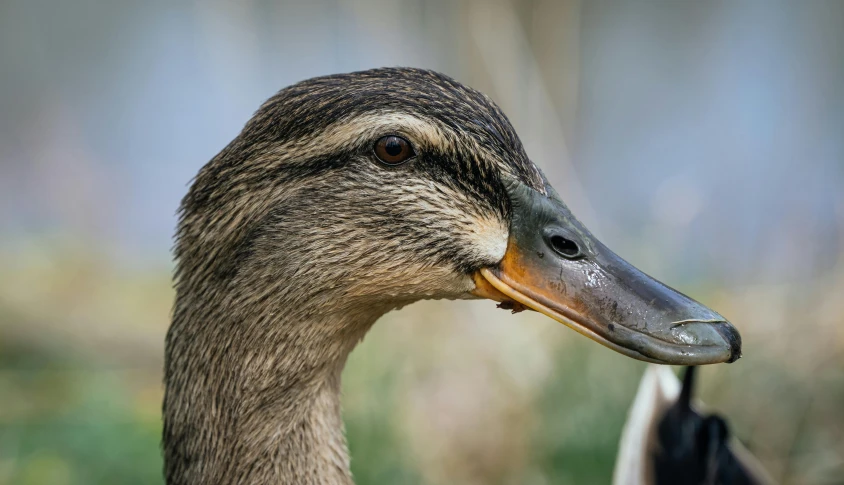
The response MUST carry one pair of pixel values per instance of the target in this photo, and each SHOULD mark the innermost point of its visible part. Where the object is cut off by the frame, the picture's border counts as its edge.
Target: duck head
(375, 189)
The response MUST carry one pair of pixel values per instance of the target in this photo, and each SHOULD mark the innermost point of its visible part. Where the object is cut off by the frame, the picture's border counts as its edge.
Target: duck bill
(555, 266)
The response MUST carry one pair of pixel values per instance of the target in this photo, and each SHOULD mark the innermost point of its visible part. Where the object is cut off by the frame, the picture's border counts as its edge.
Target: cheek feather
(489, 238)
(476, 233)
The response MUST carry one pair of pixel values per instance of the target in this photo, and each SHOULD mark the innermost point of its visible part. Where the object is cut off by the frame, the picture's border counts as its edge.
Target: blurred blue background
(703, 141)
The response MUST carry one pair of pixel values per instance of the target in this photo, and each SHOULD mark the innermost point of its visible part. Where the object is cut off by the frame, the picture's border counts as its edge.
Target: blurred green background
(703, 141)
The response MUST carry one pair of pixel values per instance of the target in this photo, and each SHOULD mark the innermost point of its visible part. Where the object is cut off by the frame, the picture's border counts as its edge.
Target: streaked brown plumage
(253, 360)
(294, 239)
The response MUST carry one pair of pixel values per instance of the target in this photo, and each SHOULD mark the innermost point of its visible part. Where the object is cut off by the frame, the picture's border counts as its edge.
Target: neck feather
(257, 399)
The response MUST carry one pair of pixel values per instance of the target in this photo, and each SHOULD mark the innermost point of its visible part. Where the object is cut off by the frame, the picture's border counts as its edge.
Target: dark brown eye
(393, 150)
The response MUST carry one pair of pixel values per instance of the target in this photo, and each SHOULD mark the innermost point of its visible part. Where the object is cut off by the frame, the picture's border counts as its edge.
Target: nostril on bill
(564, 246)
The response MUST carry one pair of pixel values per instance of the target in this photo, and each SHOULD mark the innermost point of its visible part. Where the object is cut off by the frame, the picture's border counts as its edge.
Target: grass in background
(65, 423)
(438, 393)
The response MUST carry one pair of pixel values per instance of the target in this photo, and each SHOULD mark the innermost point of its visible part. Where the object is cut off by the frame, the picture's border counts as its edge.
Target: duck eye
(393, 150)
(565, 247)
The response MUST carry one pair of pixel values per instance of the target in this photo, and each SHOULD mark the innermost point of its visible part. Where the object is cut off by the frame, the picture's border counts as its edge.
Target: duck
(343, 198)
(667, 439)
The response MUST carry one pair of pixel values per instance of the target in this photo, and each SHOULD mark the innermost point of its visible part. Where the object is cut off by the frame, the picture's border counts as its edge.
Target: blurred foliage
(699, 139)
(440, 392)
(62, 422)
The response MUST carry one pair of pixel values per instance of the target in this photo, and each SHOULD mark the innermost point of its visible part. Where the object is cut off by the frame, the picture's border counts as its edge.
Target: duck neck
(257, 400)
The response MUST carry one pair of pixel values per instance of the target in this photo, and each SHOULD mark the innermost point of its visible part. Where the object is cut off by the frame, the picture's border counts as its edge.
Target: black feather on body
(693, 448)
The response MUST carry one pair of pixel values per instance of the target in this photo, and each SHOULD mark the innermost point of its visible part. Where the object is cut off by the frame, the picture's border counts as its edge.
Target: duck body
(346, 197)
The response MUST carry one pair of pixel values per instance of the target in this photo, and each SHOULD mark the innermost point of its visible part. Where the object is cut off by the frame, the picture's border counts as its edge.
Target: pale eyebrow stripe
(353, 131)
